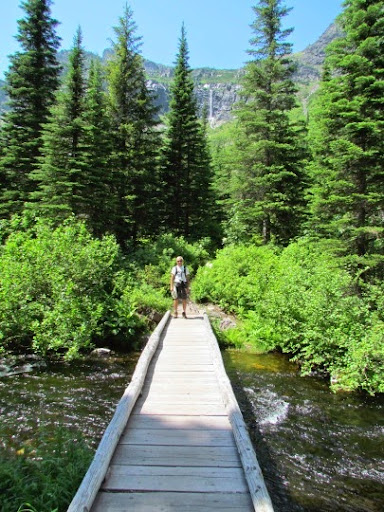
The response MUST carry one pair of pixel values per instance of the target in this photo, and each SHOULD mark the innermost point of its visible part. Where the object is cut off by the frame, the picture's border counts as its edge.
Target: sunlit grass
(43, 476)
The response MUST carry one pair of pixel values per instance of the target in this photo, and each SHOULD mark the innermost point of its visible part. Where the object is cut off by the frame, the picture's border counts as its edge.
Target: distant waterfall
(210, 103)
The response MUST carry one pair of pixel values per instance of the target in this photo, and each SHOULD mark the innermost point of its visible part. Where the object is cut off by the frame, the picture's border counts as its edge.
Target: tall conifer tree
(31, 83)
(347, 134)
(135, 139)
(62, 176)
(267, 187)
(100, 202)
(186, 169)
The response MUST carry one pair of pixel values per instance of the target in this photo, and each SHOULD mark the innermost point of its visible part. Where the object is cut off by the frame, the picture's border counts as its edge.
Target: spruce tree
(135, 139)
(187, 173)
(347, 132)
(100, 202)
(62, 176)
(268, 184)
(31, 83)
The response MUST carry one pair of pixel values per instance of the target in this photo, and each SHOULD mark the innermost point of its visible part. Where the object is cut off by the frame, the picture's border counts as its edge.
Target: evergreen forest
(279, 215)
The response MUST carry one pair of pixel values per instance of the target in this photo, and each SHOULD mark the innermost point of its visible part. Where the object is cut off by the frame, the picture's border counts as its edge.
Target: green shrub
(58, 291)
(153, 259)
(364, 362)
(43, 477)
(62, 290)
(237, 278)
(300, 301)
(150, 263)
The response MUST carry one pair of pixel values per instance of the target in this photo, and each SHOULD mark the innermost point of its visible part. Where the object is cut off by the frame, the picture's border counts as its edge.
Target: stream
(78, 396)
(319, 451)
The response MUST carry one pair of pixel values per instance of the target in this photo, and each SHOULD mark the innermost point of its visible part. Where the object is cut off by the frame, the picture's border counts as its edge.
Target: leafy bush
(59, 290)
(153, 259)
(43, 478)
(300, 301)
(150, 263)
(62, 290)
(364, 362)
(237, 278)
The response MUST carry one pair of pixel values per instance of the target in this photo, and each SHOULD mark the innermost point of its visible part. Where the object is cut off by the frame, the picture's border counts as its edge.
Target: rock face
(218, 89)
(161, 95)
(310, 60)
(217, 97)
(314, 54)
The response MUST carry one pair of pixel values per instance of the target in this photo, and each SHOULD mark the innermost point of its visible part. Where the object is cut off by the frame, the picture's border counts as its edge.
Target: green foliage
(224, 155)
(60, 290)
(364, 360)
(188, 207)
(31, 83)
(43, 477)
(346, 134)
(135, 139)
(62, 173)
(100, 202)
(300, 301)
(268, 181)
(237, 278)
(153, 259)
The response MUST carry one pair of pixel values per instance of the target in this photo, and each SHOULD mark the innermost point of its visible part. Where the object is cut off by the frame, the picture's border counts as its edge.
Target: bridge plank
(173, 502)
(177, 437)
(178, 422)
(186, 397)
(175, 478)
(192, 456)
(189, 409)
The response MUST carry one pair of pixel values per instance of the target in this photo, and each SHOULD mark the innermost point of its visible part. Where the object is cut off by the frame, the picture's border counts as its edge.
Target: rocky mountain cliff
(219, 89)
(311, 59)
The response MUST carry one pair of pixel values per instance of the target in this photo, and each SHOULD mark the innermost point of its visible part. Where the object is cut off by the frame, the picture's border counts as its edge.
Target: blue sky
(218, 31)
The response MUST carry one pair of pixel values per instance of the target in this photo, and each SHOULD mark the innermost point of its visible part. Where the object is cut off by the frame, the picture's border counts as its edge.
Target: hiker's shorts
(181, 291)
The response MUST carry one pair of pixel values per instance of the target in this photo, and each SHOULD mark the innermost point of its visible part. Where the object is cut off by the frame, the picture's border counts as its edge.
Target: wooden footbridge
(177, 441)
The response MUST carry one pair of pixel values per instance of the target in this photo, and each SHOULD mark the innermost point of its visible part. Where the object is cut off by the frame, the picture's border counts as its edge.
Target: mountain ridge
(219, 88)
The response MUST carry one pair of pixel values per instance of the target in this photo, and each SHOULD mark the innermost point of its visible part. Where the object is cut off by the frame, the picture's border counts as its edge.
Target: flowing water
(319, 451)
(79, 396)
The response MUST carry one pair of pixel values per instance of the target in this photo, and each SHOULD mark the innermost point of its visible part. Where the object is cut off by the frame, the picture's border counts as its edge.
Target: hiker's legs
(175, 303)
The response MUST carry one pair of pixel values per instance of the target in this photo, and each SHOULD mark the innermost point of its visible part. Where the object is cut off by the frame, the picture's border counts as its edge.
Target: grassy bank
(43, 476)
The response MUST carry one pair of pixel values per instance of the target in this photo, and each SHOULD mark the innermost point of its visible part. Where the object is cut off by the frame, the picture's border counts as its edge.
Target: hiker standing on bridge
(179, 285)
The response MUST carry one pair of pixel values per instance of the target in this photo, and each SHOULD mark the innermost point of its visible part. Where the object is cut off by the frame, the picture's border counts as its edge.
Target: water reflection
(319, 451)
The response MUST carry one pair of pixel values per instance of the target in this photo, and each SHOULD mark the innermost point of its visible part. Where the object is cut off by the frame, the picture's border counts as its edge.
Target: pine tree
(348, 137)
(31, 83)
(62, 175)
(268, 184)
(135, 139)
(207, 215)
(99, 204)
(186, 170)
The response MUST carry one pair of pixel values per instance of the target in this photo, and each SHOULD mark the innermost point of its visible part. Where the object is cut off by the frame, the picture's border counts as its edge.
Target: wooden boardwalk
(177, 441)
